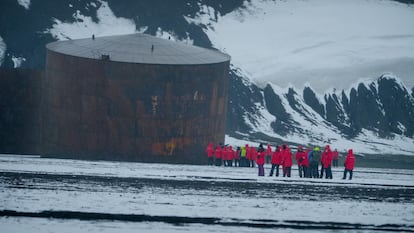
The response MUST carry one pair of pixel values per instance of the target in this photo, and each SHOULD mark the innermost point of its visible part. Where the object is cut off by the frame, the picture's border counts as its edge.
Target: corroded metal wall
(97, 109)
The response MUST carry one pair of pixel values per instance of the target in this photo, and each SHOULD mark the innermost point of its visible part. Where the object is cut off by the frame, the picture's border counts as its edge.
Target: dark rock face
(398, 107)
(312, 101)
(384, 106)
(274, 105)
(364, 110)
(336, 113)
(242, 99)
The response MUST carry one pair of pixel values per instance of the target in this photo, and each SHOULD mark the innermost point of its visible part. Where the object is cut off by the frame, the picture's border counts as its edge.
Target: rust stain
(154, 100)
(132, 111)
(170, 146)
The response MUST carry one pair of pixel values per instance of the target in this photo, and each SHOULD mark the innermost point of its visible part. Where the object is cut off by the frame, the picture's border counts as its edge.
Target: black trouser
(243, 162)
(350, 174)
(229, 163)
(273, 168)
(335, 162)
(252, 163)
(305, 171)
(286, 171)
(300, 169)
(218, 161)
(314, 171)
(277, 169)
(237, 162)
(322, 170)
(328, 173)
(210, 161)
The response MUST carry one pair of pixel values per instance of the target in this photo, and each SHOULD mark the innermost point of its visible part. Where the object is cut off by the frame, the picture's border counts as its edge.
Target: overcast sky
(327, 43)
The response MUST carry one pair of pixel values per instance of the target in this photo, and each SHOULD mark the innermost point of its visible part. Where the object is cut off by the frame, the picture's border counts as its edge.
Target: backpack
(316, 156)
(310, 155)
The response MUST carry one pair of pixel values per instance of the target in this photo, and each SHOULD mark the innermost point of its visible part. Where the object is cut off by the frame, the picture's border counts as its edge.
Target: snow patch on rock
(24, 3)
(85, 27)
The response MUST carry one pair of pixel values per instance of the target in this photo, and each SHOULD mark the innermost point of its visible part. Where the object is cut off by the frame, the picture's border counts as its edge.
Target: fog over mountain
(329, 44)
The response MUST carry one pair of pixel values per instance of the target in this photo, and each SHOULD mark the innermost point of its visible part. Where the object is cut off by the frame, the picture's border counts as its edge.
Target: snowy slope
(24, 3)
(85, 26)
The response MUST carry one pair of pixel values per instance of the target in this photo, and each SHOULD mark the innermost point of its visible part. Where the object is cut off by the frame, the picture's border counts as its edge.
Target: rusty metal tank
(133, 98)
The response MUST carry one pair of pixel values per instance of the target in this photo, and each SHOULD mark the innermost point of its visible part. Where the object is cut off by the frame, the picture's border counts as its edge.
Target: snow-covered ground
(70, 226)
(327, 43)
(232, 196)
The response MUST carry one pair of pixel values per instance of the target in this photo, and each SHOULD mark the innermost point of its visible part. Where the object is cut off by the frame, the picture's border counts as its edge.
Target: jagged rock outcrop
(383, 106)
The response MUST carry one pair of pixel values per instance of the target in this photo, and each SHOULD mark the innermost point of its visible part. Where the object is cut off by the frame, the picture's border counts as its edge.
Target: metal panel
(125, 111)
(137, 48)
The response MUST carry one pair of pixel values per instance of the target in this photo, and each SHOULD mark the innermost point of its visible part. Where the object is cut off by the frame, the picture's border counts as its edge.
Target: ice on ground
(35, 164)
(24, 225)
(374, 196)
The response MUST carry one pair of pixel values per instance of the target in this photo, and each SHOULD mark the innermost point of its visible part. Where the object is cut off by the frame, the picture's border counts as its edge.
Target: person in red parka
(236, 157)
(253, 156)
(335, 157)
(287, 161)
(260, 159)
(305, 163)
(230, 156)
(248, 155)
(210, 153)
(276, 161)
(298, 156)
(299, 161)
(349, 164)
(326, 161)
(224, 154)
(282, 154)
(268, 153)
(217, 154)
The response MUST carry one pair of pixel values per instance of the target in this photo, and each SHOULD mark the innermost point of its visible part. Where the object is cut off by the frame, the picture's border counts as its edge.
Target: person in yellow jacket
(243, 161)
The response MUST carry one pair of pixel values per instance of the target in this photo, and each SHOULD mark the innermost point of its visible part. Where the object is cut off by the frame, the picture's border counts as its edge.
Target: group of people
(308, 160)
